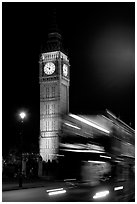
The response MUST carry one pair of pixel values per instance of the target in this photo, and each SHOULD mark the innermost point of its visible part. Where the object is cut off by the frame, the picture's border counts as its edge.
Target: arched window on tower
(47, 92)
(53, 91)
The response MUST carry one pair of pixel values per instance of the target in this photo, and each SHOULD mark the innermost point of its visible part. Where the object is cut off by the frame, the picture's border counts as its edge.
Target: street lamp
(22, 116)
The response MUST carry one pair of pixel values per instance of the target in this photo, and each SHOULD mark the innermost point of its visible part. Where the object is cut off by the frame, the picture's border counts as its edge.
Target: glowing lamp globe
(22, 115)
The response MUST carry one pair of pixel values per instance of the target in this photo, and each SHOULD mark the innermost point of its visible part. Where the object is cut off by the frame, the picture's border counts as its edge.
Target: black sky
(99, 39)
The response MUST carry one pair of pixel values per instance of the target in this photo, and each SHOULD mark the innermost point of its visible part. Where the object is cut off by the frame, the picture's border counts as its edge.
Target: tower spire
(53, 27)
(54, 41)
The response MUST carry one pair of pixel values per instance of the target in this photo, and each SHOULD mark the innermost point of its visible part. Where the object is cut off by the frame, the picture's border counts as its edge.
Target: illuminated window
(53, 142)
(47, 108)
(50, 126)
(47, 92)
(53, 109)
(47, 143)
(54, 125)
(50, 109)
(53, 91)
(47, 125)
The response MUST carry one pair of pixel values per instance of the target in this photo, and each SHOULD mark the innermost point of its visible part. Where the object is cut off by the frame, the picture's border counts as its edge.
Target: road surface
(68, 194)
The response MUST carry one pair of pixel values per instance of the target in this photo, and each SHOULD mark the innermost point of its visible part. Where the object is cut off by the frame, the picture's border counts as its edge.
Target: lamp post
(22, 116)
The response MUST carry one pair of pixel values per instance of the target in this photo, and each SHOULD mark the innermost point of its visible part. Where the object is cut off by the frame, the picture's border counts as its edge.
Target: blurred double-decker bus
(98, 151)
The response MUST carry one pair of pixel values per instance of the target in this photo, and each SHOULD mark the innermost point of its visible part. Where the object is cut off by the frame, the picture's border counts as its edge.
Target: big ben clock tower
(54, 95)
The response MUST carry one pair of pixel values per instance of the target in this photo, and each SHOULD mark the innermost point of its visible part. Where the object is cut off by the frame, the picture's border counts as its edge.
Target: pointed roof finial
(54, 41)
(53, 21)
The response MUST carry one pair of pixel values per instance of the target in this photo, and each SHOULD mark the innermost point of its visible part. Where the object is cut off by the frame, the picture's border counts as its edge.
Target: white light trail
(120, 120)
(78, 150)
(111, 114)
(69, 179)
(75, 146)
(105, 156)
(97, 162)
(89, 123)
(57, 189)
(101, 194)
(56, 192)
(118, 188)
(72, 126)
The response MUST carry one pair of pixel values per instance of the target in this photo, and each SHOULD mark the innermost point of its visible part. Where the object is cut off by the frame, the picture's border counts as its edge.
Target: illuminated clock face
(49, 68)
(65, 70)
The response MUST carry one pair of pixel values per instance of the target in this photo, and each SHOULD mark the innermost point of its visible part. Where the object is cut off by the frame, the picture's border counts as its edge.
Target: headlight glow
(118, 188)
(100, 194)
(56, 191)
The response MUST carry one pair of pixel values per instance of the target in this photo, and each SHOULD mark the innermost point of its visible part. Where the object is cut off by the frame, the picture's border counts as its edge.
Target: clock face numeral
(49, 68)
(65, 70)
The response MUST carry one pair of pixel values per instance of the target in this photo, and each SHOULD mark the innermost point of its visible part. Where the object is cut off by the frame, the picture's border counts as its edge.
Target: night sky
(100, 41)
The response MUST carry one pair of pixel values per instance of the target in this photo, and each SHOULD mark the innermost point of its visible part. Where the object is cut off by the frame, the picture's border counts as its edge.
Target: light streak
(89, 123)
(69, 179)
(76, 146)
(111, 114)
(72, 126)
(101, 194)
(56, 192)
(78, 150)
(120, 121)
(105, 156)
(97, 162)
(118, 188)
(57, 189)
